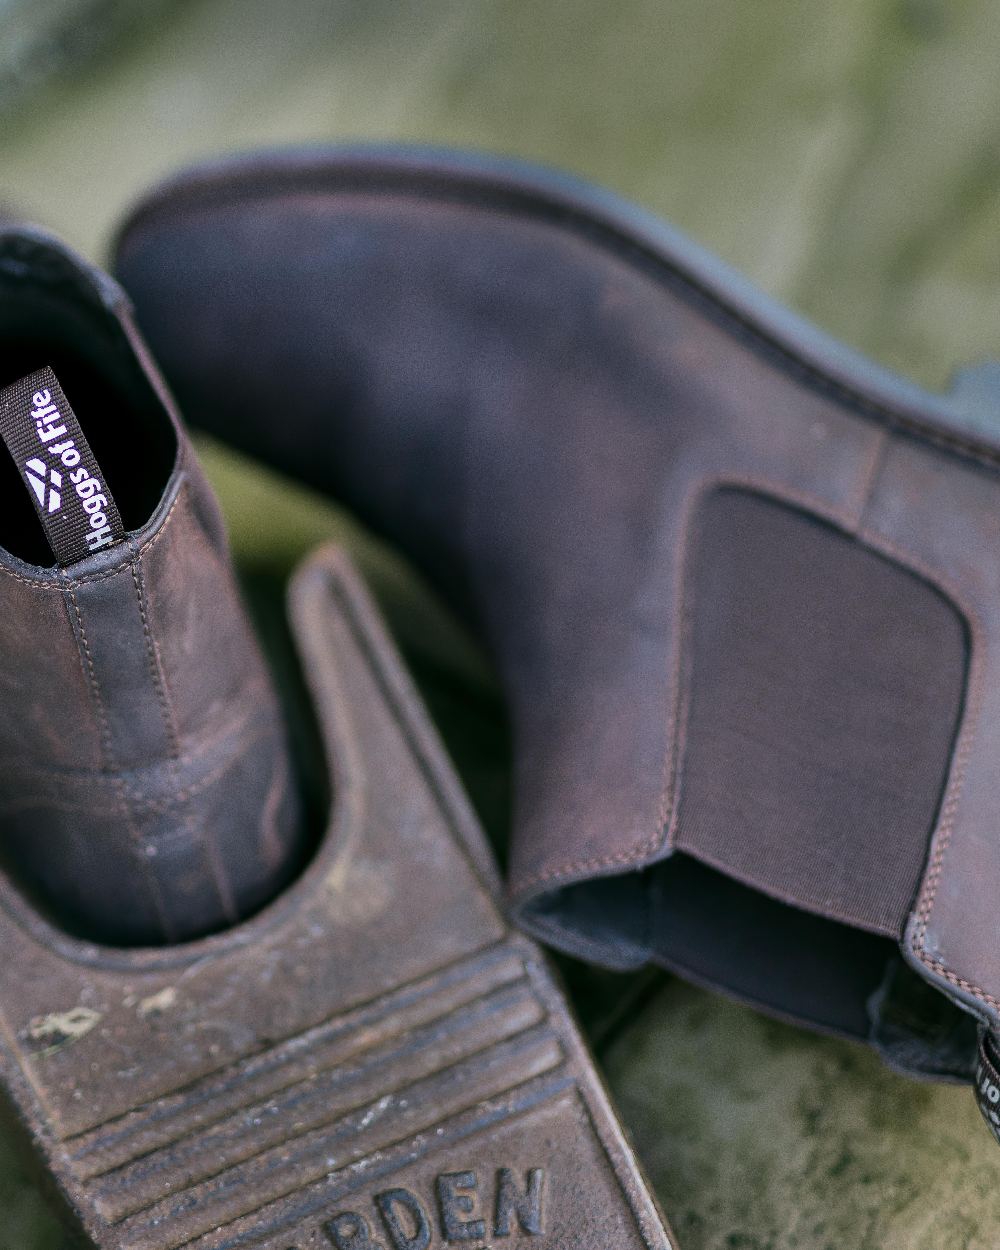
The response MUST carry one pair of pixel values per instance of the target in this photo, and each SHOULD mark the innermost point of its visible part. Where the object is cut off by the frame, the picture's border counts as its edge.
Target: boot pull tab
(60, 472)
(988, 1082)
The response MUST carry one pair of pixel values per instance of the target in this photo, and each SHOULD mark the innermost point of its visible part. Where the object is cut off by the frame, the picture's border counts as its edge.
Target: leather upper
(538, 394)
(146, 791)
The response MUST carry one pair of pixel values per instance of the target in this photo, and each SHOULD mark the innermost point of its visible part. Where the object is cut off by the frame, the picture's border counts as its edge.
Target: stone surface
(846, 157)
(757, 1136)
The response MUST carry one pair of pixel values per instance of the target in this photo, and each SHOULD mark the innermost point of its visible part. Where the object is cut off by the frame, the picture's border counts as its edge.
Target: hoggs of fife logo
(47, 482)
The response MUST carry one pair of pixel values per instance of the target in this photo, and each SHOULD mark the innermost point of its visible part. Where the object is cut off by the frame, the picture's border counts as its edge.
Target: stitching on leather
(130, 778)
(941, 838)
(680, 676)
(156, 666)
(203, 836)
(161, 806)
(65, 582)
(941, 969)
(253, 690)
(648, 846)
(696, 497)
(848, 522)
(844, 519)
(90, 675)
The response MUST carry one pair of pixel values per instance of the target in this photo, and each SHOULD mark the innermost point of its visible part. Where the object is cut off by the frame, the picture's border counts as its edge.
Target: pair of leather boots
(741, 588)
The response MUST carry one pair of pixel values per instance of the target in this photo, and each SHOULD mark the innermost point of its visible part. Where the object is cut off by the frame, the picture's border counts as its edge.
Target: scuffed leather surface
(534, 404)
(146, 793)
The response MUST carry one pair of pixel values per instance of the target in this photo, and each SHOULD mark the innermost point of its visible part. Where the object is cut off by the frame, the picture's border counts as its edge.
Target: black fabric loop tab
(59, 471)
(988, 1085)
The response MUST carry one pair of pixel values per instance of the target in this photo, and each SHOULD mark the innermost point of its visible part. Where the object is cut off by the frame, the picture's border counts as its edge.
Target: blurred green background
(846, 156)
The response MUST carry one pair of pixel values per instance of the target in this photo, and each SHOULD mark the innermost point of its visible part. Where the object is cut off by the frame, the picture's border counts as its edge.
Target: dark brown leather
(375, 1062)
(742, 586)
(146, 793)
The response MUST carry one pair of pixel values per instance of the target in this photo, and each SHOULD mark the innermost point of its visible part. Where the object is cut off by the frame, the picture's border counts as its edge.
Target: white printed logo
(44, 482)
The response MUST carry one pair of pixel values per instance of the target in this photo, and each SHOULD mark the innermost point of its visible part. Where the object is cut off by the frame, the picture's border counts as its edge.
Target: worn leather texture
(375, 1060)
(569, 419)
(146, 792)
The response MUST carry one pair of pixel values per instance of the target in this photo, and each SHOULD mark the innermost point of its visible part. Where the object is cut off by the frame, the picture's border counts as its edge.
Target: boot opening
(122, 418)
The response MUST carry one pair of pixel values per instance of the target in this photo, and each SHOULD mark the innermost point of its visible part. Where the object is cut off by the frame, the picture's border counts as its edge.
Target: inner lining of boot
(121, 416)
(717, 932)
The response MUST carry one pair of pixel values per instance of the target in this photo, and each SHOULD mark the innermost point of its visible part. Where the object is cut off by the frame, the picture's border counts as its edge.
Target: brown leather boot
(146, 791)
(375, 1059)
(741, 585)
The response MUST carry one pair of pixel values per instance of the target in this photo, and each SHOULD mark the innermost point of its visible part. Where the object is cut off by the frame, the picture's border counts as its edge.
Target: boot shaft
(146, 793)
